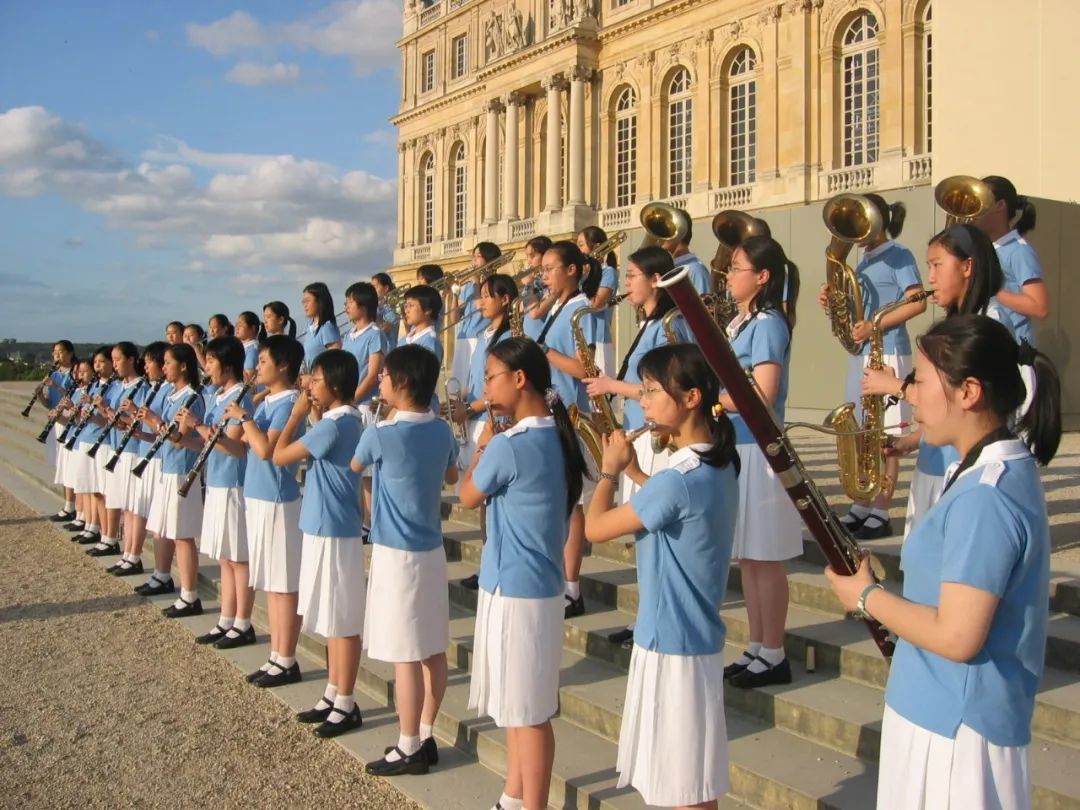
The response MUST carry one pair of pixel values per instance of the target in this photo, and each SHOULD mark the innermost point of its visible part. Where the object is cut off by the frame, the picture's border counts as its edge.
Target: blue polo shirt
(108, 393)
(179, 460)
(472, 322)
(116, 394)
(61, 378)
(1021, 265)
(683, 554)
(884, 274)
(609, 278)
(763, 337)
(561, 339)
(388, 314)
(251, 355)
(363, 344)
(700, 276)
(522, 473)
(474, 387)
(317, 339)
(222, 469)
(989, 531)
(652, 336)
(155, 404)
(427, 338)
(263, 479)
(411, 454)
(331, 506)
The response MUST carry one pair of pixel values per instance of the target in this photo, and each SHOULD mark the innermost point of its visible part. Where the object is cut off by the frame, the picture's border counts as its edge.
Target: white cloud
(363, 31)
(174, 150)
(254, 74)
(381, 137)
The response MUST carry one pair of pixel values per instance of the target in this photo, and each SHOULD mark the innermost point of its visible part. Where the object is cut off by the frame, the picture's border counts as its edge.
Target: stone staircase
(811, 744)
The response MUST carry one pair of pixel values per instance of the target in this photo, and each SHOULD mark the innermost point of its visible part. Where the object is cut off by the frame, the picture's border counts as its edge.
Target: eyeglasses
(647, 392)
(488, 378)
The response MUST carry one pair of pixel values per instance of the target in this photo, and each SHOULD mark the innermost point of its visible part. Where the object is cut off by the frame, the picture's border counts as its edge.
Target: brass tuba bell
(663, 223)
(963, 198)
(851, 219)
(731, 228)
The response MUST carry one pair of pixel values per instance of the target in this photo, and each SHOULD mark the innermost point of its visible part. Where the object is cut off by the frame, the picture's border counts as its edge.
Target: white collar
(281, 395)
(412, 336)
(489, 331)
(1011, 236)
(875, 252)
(1000, 451)
(410, 416)
(249, 343)
(340, 411)
(579, 297)
(133, 383)
(687, 454)
(355, 333)
(236, 386)
(177, 393)
(533, 422)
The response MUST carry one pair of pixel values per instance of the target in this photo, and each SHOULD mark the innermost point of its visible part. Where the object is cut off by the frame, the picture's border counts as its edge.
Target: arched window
(680, 120)
(457, 191)
(626, 147)
(928, 77)
(427, 200)
(742, 111)
(861, 90)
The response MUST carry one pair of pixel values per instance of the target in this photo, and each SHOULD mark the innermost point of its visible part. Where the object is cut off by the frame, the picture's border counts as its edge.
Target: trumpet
(963, 198)
(49, 425)
(496, 425)
(208, 447)
(166, 431)
(92, 452)
(37, 391)
(453, 397)
(110, 465)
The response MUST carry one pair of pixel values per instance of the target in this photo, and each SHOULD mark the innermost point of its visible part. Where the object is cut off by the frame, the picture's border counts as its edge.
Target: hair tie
(718, 410)
(551, 398)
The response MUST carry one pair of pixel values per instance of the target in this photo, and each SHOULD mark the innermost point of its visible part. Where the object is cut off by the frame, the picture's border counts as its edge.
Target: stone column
(510, 180)
(491, 163)
(553, 182)
(576, 143)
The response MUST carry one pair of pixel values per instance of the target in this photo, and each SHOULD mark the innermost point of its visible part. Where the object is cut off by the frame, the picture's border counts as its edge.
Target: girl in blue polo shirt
(272, 505)
(683, 519)
(250, 331)
(422, 308)
(886, 274)
(972, 619)
(90, 481)
(66, 410)
(332, 566)
(322, 332)
(470, 323)
(767, 530)
(533, 289)
(530, 477)
(389, 322)
(588, 239)
(58, 381)
(407, 619)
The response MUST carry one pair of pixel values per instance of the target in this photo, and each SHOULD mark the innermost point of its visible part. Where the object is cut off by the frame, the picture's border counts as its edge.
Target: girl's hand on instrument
(234, 411)
(127, 406)
(902, 445)
(823, 297)
(186, 420)
(458, 412)
(302, 407)
(618, 453)
(880, 382)
(599, 386)
(861, 331)
(848, 589)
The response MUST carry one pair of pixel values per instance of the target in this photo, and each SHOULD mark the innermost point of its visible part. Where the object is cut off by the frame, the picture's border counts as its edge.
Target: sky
(167, 161)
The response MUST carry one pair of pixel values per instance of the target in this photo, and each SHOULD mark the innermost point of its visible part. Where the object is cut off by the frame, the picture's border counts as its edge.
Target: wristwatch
(860, 611)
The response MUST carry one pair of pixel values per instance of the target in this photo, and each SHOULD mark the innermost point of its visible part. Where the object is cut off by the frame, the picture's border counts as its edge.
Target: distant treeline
(31, 361)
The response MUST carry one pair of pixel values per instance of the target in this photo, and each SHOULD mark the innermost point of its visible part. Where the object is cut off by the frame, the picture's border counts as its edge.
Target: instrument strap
(551, 320)
(637, 339)
(1000, 435)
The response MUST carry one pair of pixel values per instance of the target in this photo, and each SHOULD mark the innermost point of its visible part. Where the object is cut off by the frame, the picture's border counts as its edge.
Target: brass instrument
(649, 425)
(851, 219)
(38, 391)
(604, 248)
(453, 397)
(517, 317)
(662, 440)
(663, 223)
(496, 425)
(963, 198)
(731, 229)
(602, 419)
(455, 281)
(861, 451)
(378, 403)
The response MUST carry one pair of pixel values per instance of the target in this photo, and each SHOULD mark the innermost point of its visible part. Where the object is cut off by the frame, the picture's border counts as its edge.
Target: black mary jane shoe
(278, 677)
(251, 677)
(215, 633)
(75, 526)
(621, 636)
(775, 674)
(155, 587)
(852, 522)
(110, 550)
(352, 720)
(731, 670)
(88, 539)
(235, 638)
(471, 583)
(573, 607)
(875, 529)
(129, 570)
(112, 569)
(428, 748)
(188, 609)
(315, 715)
(62, 517)
(415, 764)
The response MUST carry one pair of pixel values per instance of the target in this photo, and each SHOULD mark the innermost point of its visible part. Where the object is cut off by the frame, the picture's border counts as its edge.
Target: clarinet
(84, 419)
(37, 391)
(841, 551)
(110, 465)
(208, 447)
(163, 436)
(92, 452)
(68, 391)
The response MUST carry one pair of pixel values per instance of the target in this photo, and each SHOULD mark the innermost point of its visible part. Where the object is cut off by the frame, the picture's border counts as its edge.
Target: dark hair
(596, 236)
(156, 352)
(570, 254)
(488, 250)
(680, 367)
(184, 354)
(363, 294)
(765, 253)
(66, 346)
(540, 244)
(965, 242)
(198, 329)
(430, 273)
(284, 349)
(228, 351)
(416, 370)
(384, 279)
(341, 372)
(524, 355)
(892, 216)
(174, 323)
(1004, 190)
(131, 351)
(282, 311)
(324, 302)
(977, 346)
(104, 351)
(427, 297)
(252, 321)
(498, 285)
(689, 227)
(221, 319)
(653, 260)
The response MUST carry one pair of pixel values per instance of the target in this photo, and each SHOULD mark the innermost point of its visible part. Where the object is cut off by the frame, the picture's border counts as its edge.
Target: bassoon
(841, 551)
(208, 447)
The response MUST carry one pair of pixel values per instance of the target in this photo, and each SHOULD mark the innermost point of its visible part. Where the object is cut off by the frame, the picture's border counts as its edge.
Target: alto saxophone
(602, 420)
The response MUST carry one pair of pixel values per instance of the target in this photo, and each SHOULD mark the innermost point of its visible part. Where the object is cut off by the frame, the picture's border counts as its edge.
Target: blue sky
(163, 160)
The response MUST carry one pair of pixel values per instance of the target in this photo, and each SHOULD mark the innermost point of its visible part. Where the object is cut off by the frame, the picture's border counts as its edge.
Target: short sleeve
(375, 345)
(199, 408)
(466, 293)
(368, 449)
(251, 357)
(907, 274)
(452, 453)
(589, 327)
(495, 469)
(329, 333)
(661, 501)
(609, 277)
(319, 441)
(279, 417)
(699, 277)
(1026, 266)
(983, 541)
(769, 342)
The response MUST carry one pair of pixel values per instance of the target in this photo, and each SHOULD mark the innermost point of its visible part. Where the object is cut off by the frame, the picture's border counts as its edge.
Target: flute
(163, 436)
(68, 391)
(92, 452)
(208, 447)
(110, 465)
(88, 414)
(37, 391)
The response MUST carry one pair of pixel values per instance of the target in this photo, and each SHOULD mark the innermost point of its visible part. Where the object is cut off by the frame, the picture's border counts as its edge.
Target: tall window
(457, 219)
(928, 79)
(680, 121)
(427, 196)
(460, 50)
(427, 71)
(626, 147)
(861, 90)
(742, 109)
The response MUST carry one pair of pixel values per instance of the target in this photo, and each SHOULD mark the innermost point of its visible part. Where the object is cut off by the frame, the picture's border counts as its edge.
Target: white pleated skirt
(673, 746)
(408, 605)
(171, 516)
(332, 586)
(463, 352)
(70, 464)
(649, 462)
(224, 529)
(115, 482)
(604, 355)
(767, 527)
(86, 471)
(921, 770)
(893, 415)
(52, 454)
(274, 545)
(924, 493)
(60, 476)
(516, 655)
(139, 493)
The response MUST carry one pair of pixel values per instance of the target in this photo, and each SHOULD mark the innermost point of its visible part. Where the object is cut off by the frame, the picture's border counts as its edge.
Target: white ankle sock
(109, 541)
(242, 624)
(69, 506)
(188, 596)
(225, 622)
(285, 662)
(344, 704)
(162, 576)
(752, 649)
(408, 746)
(91, 528)
(770, 656)
(510, 803)
(573, 589)
(328, 697)
(425, 731)
(880, 514)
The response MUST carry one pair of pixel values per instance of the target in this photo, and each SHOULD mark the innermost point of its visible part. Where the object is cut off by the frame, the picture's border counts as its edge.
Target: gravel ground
(105, 703)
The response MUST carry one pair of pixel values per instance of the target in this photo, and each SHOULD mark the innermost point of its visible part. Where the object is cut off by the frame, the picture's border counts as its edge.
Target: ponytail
(791, 273)
(1015, 203)
(497, 286)
(1026, 222)
(1040, 426)
(291, 329)
(892, 216)
(573, 460)
(253, 322)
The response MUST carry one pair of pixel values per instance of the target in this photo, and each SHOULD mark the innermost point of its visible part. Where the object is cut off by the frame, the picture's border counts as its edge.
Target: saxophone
(851, 219)
(602, 420)
(861, 451)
